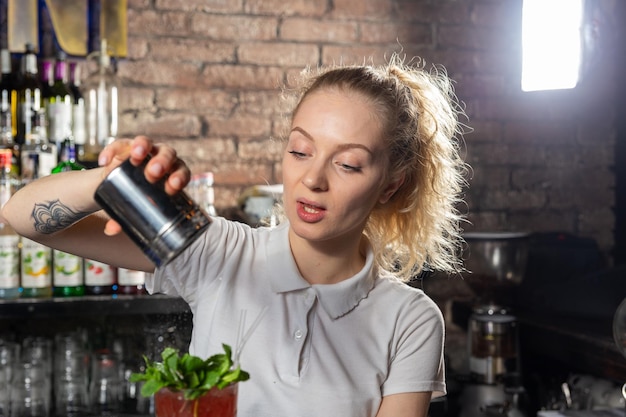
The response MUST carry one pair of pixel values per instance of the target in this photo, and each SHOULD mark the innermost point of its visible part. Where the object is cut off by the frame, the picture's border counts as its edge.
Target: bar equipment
(496, 263)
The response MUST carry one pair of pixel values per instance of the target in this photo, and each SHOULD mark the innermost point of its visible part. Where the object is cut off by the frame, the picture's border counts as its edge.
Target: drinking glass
(37, 350)
(4, 392)
(71, 361)
(215, 403)
(104, 390)
(28, 394)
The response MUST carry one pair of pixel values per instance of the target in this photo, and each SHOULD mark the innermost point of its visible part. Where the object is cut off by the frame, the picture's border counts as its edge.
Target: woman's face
(334, 166)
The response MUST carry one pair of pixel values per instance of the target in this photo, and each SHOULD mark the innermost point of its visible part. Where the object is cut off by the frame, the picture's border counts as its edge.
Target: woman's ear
(391, 189)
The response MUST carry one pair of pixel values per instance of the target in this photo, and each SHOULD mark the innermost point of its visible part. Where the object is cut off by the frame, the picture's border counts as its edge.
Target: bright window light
(551, 44)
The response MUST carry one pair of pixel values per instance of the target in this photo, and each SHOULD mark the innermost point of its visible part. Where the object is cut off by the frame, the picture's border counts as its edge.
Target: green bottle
(68, 270)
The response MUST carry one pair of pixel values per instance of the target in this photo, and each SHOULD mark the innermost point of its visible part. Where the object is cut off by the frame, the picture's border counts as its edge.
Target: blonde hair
(420, 225)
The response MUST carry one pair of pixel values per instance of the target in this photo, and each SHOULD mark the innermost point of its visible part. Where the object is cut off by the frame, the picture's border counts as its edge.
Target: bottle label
(60, 120)
(47, 161)
(98, 273)
(36, 261)
(9, 261)
(130, 277)
(68, 269)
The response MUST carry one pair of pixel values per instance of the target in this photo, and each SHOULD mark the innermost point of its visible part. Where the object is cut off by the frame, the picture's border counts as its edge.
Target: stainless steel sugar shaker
(162, 225)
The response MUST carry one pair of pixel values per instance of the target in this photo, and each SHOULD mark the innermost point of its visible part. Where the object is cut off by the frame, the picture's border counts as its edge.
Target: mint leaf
(189, 373)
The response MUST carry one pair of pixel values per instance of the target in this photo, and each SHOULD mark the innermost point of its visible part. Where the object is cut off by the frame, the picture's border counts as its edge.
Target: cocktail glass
(215, 403)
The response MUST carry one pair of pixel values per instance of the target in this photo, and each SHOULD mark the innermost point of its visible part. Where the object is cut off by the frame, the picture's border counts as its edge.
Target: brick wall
(203, 75)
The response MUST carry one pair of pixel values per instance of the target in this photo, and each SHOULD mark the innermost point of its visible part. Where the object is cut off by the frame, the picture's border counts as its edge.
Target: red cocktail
(215, 403)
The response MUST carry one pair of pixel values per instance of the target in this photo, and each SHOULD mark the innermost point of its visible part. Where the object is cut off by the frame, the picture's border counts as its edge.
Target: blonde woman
(372, 178)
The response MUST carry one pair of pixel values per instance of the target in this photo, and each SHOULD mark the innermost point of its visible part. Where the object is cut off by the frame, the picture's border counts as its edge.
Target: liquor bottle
(7, 90)
(35, 274)
(100, 90)
(6, 114)
(68, 273)
(38, 157)
(100, 278)
(29, 95)
(58, 102)
(204, 192)
(35, 259)
(130, 281)
(9, 239)
(46, 80)
(68, 160)
(79, 128)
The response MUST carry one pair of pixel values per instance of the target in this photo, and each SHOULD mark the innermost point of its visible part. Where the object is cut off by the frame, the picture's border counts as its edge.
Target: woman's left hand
(164, 161)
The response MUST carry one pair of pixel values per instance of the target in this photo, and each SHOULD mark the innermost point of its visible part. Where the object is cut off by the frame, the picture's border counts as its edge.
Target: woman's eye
(350, 167)
(297, 154)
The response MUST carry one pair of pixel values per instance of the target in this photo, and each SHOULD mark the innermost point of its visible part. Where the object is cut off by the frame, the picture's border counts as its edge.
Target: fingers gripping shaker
(162, 225)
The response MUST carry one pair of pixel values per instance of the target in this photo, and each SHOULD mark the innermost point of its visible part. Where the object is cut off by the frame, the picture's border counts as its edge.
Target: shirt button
(298, 334)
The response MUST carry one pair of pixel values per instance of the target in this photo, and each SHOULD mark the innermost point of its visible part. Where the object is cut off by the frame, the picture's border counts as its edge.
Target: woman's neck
(325, 262)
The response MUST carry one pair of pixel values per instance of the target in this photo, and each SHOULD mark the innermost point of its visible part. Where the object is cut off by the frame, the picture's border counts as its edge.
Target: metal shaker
(162, 225)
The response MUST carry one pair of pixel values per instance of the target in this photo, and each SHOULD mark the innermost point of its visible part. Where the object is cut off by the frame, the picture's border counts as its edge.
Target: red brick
(568, 198)
(138, 4)
(159, 128)
(240, 126)
(148, 22)
(485, 220)
(483, 131)
(191, 50)
(476, 85)
(241, 172)
(350, 54)
(428, 12)
(261, 150)
(542, 131)
(484, 176)
(206, 102)
(259, 103)
(201, 153)
(314, 30)
(231, 27)
(369, 9)
(478, 38)
(524, 107)
(274, 53)
(210, 6)
(390, 32)
(541, 221)
(244, 77)
(136, 99)
(137, 48)
(310, 8)
(159, 73)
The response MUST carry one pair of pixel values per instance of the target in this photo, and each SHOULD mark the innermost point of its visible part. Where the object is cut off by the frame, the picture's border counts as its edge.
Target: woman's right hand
(164, 161)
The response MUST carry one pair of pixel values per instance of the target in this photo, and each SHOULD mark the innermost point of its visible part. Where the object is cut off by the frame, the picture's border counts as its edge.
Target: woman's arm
(59, 210)
(412, 404)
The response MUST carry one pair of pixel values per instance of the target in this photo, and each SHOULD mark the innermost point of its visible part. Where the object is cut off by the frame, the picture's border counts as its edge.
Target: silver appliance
(496, 264)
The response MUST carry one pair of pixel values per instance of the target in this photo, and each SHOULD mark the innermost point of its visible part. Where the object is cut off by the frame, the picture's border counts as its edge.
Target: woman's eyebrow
(343, 146)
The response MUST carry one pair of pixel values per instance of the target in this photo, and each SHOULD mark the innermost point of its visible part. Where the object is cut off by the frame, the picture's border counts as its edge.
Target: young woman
(372, 178)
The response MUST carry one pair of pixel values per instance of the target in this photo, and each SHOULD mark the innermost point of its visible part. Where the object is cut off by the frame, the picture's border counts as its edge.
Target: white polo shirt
(318, 350)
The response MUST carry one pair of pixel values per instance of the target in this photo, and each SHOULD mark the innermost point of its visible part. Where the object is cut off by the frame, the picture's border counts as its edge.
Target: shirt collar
(336, 299)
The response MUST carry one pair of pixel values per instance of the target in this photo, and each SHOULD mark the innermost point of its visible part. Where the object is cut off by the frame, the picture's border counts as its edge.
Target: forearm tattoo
(53, 216)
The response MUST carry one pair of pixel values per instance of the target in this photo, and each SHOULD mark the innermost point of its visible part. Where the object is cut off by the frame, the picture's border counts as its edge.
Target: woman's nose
(315, 178)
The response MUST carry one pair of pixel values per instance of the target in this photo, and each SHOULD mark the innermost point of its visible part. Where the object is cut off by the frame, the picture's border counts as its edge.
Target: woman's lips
(309, 213)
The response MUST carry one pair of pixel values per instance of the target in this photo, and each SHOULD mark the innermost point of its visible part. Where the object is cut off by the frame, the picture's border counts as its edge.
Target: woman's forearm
(59, 211)
(53, 203)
